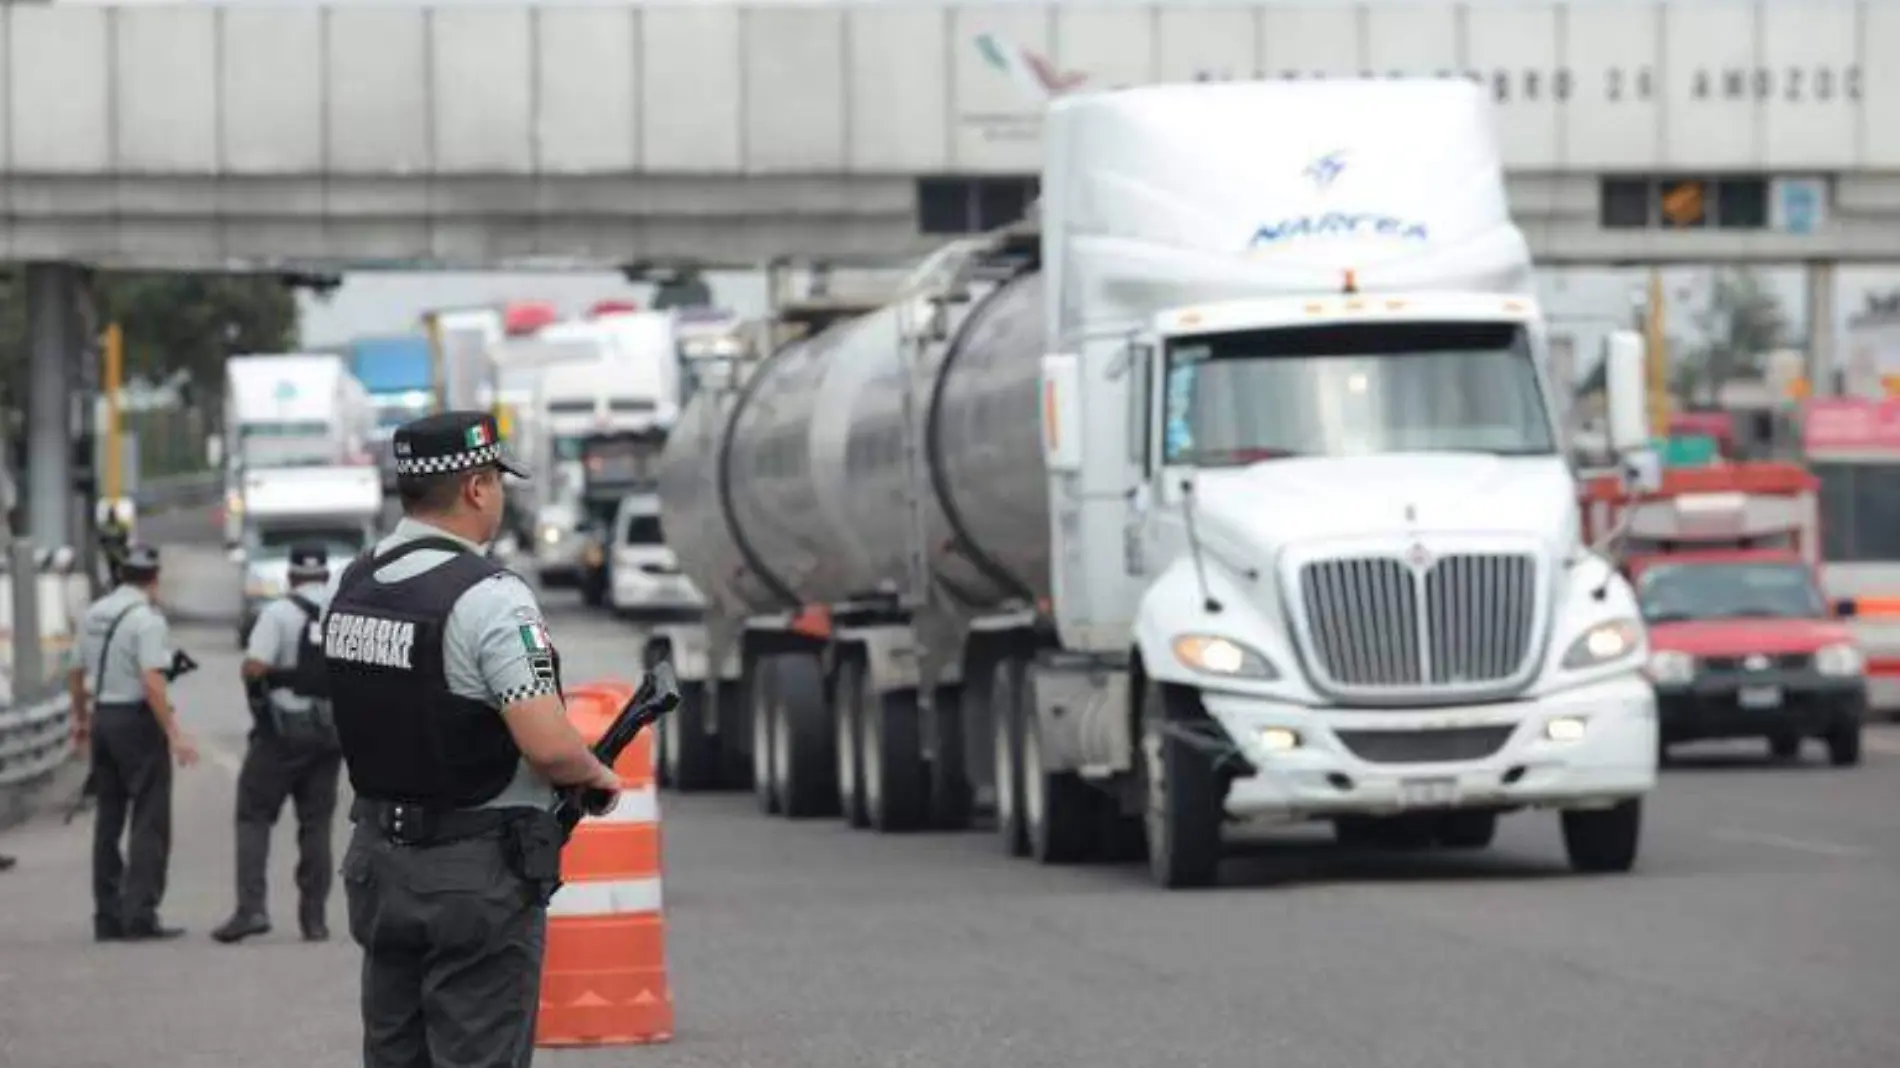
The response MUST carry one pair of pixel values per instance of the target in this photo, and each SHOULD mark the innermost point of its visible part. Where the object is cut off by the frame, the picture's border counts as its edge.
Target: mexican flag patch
(534, 637)
(478, 436)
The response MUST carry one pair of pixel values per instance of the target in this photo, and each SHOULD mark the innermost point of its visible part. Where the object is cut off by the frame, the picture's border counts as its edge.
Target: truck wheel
(1784, 746)
(1060, 812)
(692, 755)
(1006, 745)
(949, 779)
(803, 766)
(895, 784)
(1843, 744)
(1604, 840)
(1184, 796)
(764, 713)
(1467, 830)
(847, 717)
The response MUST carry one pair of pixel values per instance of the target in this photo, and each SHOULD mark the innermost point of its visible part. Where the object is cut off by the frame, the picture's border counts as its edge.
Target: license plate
(1759, 697)
(1428, 793)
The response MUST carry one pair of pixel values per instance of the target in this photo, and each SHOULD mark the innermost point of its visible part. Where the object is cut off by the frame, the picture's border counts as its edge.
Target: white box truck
(1231, 490)
(289, 410)
(335, 507)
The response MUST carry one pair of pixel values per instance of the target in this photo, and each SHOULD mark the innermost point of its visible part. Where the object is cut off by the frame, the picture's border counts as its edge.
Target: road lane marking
(1781, 841)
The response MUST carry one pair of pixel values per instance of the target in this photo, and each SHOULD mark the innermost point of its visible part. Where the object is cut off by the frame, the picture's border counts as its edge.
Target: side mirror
(1846, 608)
(1626, 381)
(214, 450)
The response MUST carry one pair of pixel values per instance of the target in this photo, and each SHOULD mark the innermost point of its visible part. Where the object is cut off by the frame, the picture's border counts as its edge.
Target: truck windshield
(341, 543)
(1353, 390)
(393, 410)
(286, 444)
(1673, 593)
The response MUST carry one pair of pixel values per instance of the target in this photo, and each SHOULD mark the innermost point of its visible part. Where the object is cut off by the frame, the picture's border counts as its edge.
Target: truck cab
(1743, 641)
(335, 507)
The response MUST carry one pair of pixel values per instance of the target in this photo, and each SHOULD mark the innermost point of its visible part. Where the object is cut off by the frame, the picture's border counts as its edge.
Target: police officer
(446, 692)
(293, 751)
(124, 651)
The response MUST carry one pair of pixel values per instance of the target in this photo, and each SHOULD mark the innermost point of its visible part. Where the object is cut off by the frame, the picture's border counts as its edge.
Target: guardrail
(34, 739)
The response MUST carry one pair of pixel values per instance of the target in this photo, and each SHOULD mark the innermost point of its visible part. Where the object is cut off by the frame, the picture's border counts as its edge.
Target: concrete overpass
(190, 135)
(267, 137)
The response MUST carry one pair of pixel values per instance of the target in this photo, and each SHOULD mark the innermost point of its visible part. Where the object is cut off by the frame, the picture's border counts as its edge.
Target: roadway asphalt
(1759, 930)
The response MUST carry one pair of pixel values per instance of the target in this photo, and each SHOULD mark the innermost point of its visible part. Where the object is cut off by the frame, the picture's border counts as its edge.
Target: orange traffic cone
(603, 982)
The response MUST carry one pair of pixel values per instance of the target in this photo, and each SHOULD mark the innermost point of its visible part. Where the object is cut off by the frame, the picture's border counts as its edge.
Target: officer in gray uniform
(123, 652)
(293, 751)
(446, 693)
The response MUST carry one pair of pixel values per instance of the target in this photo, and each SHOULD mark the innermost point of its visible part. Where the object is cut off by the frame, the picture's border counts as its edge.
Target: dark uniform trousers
(452, 943)
(132, 771)
(273, 771)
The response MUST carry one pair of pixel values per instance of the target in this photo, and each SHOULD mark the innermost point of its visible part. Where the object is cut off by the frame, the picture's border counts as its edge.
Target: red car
(1745, 645)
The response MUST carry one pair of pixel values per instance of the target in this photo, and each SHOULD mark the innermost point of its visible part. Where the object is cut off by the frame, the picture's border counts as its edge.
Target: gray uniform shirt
(275, 635)
(142, 643)
(489, 644)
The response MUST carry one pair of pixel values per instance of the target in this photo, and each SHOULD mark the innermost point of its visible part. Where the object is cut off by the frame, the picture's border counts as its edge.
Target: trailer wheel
(1006, 743)
(764, 712)
(803, 765)
(692, 755)
(1604, 840)
(896, 791)
(1061, 814)
(1184, 795)
(949, 779)
(847, 717)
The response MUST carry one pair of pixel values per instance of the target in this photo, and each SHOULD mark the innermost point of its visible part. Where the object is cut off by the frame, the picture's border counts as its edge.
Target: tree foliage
(172, 323)
(1741, 324)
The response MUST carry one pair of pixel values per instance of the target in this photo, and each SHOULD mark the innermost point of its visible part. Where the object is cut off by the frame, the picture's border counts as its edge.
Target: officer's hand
(82, 733)
(183, 750)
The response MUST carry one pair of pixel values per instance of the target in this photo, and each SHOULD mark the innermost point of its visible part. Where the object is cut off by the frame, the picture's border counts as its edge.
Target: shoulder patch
(534, 638)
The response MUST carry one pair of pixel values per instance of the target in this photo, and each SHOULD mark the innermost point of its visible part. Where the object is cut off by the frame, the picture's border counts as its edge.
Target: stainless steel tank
(798, 491)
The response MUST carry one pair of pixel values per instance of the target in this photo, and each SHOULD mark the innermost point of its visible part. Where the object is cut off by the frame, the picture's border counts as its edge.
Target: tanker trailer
(1230, 491)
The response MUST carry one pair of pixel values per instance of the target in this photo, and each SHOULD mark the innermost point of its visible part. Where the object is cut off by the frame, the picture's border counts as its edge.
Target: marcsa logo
(1337, 224)
(1033, 71)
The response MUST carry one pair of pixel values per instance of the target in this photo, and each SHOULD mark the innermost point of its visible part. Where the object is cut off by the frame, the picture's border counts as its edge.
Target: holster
(533, 845)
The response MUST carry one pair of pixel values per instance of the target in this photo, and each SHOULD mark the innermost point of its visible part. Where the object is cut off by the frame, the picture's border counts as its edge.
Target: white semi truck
(1230, 490)
(288, 410)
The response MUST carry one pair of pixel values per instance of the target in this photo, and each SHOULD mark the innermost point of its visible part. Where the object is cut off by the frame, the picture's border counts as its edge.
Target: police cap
(140, 560)
(309, 560)
(451, 441)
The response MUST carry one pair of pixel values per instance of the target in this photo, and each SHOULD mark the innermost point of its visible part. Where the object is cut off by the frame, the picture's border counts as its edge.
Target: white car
(644, 577)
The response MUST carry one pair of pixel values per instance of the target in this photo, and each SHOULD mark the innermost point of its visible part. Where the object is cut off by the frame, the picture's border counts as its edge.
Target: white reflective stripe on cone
(639, 805)
(606, 897)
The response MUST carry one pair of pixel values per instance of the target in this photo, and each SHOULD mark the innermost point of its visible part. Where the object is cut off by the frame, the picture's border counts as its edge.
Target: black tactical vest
(406, 737)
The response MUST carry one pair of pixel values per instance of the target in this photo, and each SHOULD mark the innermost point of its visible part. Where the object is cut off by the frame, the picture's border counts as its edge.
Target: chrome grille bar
(1376, 623)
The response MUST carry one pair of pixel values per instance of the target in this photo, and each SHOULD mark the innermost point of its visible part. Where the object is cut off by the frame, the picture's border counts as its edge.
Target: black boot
(242, 925)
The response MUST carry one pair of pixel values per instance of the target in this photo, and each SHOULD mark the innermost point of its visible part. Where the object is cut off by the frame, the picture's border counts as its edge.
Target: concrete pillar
(1823, 303)
(54, 344)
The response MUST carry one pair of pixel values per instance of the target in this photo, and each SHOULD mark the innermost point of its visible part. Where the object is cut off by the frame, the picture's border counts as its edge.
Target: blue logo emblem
(1338, 224)
(1324, 170)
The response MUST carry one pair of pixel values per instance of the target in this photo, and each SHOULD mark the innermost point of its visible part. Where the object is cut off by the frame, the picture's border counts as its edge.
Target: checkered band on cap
(455, 461)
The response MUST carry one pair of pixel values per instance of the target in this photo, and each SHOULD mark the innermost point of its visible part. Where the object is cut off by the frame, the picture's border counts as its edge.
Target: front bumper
(1759, 704)
(1495, 756)
(561, 560)
(636, 592)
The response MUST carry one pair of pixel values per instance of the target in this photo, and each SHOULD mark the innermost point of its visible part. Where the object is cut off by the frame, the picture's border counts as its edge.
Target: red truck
(1744, 644)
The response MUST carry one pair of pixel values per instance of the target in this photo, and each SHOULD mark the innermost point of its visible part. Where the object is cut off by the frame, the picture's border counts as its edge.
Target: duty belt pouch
(534, 852)
(313, 729)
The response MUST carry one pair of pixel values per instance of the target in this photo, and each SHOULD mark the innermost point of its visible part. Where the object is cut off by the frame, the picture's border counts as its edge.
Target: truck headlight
(1222, 656)
(550, 534)
(1670, 668)
(1603, 644)
(261, 588)
(1842, 660)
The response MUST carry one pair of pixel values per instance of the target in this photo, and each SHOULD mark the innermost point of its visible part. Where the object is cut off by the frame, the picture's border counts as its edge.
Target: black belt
(426, 825)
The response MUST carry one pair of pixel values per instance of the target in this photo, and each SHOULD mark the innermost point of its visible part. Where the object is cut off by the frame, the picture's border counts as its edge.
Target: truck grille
(1465, 621)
